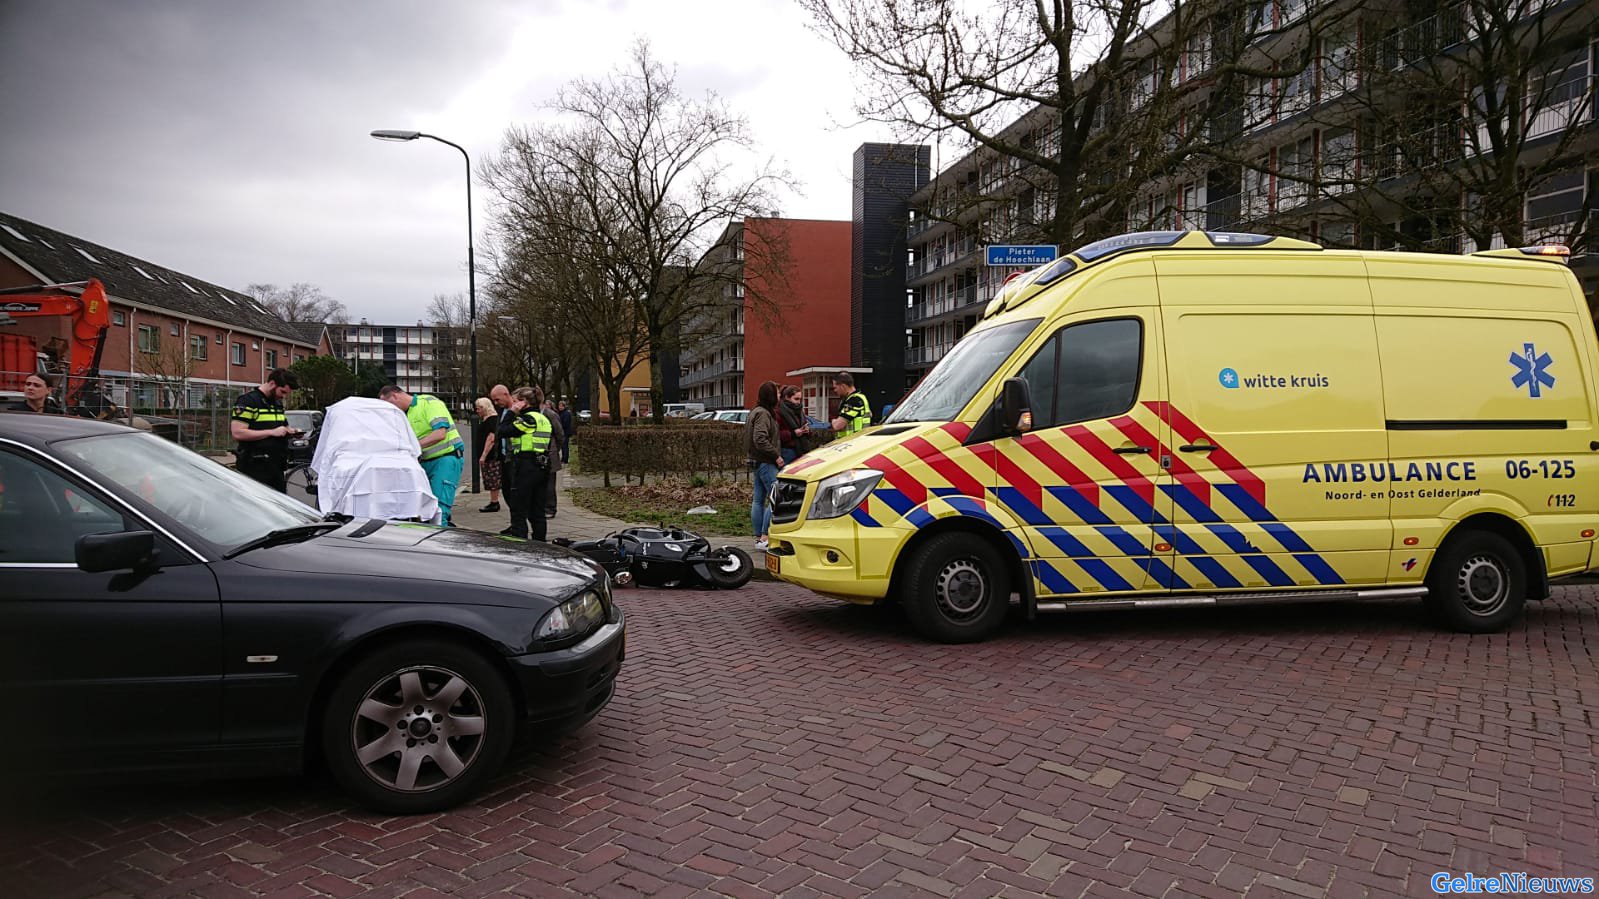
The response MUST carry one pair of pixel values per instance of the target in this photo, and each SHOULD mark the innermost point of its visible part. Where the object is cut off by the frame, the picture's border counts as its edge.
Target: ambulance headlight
(573, 618)
(841, 493)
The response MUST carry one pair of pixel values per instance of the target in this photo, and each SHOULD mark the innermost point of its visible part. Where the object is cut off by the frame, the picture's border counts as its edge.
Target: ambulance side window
(1100, 363)
(1040, 377)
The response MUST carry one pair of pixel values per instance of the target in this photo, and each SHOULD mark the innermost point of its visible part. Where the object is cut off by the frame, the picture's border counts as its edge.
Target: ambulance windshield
(952, 383)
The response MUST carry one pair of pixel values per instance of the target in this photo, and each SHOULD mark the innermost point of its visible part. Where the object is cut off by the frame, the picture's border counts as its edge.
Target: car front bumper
(566, 687)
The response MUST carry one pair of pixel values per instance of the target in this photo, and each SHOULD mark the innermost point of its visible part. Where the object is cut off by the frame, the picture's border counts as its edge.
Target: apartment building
(1381, 141)
(417, 358)
(784, 305)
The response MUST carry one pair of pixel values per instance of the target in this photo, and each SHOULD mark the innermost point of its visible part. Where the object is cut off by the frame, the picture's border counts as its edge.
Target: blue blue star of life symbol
(1228, 378)
(1531, 370)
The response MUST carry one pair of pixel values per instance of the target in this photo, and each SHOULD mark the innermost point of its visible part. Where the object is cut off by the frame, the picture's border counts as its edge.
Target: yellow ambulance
(1192, 418)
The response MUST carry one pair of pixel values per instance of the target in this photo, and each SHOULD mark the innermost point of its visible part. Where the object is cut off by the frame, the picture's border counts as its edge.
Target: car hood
(482, 568)
(857, 451)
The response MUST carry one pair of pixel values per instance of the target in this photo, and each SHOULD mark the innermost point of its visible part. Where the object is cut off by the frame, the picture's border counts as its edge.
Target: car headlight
(841, 493)
(575, 617)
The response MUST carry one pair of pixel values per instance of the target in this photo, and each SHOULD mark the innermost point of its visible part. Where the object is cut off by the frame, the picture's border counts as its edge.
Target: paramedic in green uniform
(442, 446)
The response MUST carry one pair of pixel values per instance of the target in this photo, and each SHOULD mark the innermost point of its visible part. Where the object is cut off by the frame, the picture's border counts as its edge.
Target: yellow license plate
(771, 562)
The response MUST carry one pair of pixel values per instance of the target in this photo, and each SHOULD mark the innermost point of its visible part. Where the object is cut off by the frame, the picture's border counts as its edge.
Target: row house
(175, 340)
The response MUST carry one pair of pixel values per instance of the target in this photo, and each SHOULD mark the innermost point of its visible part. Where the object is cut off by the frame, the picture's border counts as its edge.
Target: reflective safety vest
(856, 412)
(261, 414)
(532, 433)
(426, 414)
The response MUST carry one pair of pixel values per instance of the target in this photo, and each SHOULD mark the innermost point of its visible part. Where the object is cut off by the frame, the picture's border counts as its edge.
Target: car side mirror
(1016, 406)
(116, 552)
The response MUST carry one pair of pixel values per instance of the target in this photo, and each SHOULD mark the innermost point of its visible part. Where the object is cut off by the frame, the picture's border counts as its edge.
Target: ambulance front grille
(788, 498)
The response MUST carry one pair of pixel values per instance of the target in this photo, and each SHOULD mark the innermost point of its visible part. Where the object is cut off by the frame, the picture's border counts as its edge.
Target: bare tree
(557, 296)
(1078, 104)
(171, 364)
(1467, 121)
(654, 181)
(450, 316)
(300, 302)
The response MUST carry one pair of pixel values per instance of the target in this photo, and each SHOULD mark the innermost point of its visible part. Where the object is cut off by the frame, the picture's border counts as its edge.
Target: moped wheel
(730, 568)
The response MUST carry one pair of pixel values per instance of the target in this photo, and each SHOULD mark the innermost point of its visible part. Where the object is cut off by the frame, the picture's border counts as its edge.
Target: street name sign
(1021, 255)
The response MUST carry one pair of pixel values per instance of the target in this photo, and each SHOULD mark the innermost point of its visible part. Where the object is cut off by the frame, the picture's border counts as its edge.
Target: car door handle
(1132, 450)
(1196, 448)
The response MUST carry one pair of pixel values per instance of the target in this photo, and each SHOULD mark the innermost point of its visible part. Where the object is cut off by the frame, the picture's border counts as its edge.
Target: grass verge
(667, 503)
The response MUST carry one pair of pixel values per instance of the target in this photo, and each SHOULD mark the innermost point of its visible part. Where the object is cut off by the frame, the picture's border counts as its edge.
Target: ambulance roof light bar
(1549, 252)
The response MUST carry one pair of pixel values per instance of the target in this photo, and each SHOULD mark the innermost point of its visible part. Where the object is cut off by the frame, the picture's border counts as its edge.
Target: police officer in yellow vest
(262, 429)
(527, 463)
(854, 412)
(442, 446)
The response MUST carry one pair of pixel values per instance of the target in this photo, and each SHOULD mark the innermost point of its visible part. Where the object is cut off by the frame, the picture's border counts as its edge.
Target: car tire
(1477, 583)
(955, 589)
(733, 572)
(393, 714)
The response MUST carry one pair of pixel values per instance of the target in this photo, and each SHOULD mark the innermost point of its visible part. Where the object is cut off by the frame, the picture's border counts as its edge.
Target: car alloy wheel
(418, 729)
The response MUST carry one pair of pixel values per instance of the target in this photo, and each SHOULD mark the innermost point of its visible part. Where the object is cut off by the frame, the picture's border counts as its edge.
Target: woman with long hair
(764, 447)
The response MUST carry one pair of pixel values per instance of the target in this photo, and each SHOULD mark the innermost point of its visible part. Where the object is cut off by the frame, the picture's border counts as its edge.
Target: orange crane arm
(84, 302)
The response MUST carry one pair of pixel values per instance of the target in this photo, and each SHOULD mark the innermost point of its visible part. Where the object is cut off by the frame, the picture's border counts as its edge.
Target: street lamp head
(396, 135)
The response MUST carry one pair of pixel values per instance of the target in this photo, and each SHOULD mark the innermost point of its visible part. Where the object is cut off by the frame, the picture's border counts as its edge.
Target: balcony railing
(926, 355)
(959, 299)
(938, 259)
(1422, 40)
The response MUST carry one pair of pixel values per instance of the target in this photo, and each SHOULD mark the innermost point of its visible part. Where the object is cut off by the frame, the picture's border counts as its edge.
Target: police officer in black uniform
(262, 429)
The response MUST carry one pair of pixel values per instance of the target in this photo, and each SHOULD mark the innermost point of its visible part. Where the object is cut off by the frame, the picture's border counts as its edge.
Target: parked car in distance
(309, 423)
(164, 613)
(683, 410)
(702, 416)
(732, 416)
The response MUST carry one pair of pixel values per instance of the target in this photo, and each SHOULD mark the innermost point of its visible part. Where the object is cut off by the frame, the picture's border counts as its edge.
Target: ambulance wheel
(956, 589)
(1477, 584)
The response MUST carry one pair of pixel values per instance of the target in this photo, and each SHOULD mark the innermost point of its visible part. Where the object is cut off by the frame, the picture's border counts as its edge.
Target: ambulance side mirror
(1015, 406)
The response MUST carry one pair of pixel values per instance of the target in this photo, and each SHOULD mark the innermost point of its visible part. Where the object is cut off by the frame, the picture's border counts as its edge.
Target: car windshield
(305, 421)
(952, 383)
(216, 503)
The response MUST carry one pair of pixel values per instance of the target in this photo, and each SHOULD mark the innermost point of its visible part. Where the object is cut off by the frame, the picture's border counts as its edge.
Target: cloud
(229, 138)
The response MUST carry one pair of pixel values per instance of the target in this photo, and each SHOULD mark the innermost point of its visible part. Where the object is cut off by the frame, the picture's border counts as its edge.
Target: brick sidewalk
(769, 742)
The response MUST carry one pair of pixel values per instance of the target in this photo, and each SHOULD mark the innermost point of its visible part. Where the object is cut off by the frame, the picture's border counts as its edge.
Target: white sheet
(366, 463)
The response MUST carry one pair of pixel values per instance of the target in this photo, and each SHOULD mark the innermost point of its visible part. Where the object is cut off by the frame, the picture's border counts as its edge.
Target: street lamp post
(471, 267)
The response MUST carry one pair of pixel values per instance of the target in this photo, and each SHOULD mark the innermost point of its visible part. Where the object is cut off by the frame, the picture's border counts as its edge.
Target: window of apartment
(118, 318)
(236, 354)
(1557, 200)
(1295, 163)
(1338, 159)
(1340, 70)
(1297, 90)
(149, 339)
(1256, 188)
(1258, 102)
(1559, 97)
(1337, 234)
(271, 359)
(1195, 60)
(199, 347)
(1289, 11)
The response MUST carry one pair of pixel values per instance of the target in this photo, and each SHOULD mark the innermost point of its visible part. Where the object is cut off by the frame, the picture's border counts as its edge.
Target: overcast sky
(227, 139)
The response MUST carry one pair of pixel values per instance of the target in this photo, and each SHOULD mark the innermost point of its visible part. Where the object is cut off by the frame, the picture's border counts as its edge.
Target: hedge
(674, 448)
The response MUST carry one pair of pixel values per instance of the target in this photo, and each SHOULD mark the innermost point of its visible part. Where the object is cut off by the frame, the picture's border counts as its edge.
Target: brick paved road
(769, 742)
